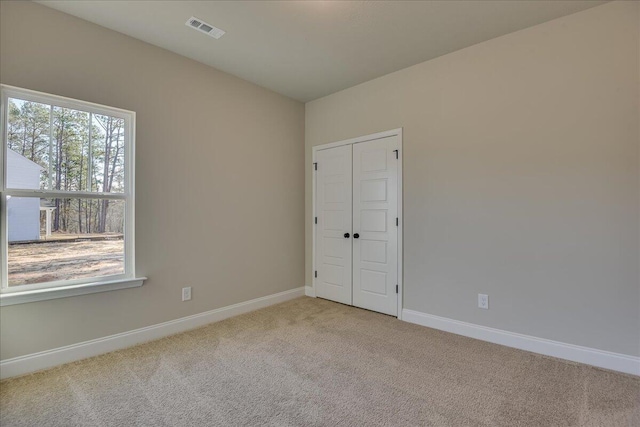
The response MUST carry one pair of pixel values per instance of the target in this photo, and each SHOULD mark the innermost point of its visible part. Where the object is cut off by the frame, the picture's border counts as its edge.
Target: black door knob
(346, 235)
(356, 235)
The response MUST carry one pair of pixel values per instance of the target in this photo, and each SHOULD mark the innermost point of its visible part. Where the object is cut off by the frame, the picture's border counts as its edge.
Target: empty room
(320, 213)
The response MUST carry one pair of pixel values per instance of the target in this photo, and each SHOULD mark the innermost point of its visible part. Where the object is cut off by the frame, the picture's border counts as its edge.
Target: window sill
(13, 298)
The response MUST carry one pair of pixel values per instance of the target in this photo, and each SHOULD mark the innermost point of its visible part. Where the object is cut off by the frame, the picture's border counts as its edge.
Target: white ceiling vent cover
(208, 29)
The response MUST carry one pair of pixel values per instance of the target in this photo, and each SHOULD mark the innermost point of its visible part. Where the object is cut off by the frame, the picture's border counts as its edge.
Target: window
(66, 197)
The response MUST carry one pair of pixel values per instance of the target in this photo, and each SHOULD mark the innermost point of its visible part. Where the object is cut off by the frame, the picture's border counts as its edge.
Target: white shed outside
(23, 213)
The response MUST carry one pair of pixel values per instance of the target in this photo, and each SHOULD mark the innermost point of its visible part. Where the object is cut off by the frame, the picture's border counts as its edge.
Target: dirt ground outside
(50, 261)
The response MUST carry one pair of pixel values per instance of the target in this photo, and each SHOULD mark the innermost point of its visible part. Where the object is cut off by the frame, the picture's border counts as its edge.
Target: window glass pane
(108, 154)
(70, 135)
(28, 152)
(64, 239)
(84, 153)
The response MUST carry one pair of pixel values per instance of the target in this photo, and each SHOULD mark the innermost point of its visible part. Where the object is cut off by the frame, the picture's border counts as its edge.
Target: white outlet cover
(483, 301)
(186, 293)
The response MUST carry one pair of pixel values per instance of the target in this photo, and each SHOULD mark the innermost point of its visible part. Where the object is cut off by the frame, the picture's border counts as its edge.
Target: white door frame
(379, 135)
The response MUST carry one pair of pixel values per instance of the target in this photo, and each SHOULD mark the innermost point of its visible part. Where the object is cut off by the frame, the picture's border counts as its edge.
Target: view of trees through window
(63, 149)
(81, 152)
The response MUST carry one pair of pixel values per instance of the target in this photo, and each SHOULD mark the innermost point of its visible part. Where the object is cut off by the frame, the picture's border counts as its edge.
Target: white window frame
(64, 288)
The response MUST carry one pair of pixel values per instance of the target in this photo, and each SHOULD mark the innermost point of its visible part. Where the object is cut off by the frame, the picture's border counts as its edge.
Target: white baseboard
(58, 356)
(575, 353)
(310, 291)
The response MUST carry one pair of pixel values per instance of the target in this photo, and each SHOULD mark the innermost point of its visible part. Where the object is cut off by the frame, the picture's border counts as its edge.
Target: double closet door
(356, 244)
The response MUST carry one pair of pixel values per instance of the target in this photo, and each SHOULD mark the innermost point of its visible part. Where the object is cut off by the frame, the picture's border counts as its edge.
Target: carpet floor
(311, 362)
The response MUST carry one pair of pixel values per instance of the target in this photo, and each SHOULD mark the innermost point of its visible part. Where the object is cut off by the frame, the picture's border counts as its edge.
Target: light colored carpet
(315, 362)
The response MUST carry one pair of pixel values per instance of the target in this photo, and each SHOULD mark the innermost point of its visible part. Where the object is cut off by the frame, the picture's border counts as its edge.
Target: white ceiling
(309, 49)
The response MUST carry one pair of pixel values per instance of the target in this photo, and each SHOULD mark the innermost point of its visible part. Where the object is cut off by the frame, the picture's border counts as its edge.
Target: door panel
(334, 212)
(375, 208)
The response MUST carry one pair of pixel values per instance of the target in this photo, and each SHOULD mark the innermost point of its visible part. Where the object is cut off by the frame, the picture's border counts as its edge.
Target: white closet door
(334, 212)
(375, 238)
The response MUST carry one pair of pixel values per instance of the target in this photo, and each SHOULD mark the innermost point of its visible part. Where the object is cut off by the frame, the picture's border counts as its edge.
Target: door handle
(346, 235)
(356, 235)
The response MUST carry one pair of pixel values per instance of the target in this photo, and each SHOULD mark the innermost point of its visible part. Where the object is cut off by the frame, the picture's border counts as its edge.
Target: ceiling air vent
(208, 29)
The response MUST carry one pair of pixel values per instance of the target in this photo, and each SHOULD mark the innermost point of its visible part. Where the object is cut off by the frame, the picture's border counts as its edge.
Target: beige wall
(219, 177)
(521, 177)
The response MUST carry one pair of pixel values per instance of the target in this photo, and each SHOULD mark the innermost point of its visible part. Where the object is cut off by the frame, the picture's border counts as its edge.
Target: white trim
(22, 297)
(33, 288)
(50, 358)
(310, 291)
(590, 356)
(63, 101)
(130, 189)
(56, 194)
(371, 137)
(313, 220)
(4, 243)
(394, 132)
(400, 225)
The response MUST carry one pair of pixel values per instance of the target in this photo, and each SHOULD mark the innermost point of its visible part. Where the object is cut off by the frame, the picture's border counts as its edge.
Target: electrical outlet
(186, 293)
(483, 301)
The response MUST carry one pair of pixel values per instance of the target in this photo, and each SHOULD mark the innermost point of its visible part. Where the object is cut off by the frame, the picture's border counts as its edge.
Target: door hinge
(396, 221)
(396, 289)
(396, 151)
(316, 220)
(316, 273)
(315, 166)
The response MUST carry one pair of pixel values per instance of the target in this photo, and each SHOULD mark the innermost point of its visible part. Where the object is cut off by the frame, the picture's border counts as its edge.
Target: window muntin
(83, 191)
